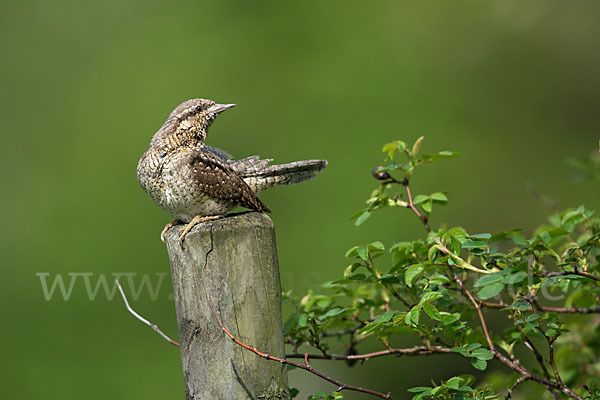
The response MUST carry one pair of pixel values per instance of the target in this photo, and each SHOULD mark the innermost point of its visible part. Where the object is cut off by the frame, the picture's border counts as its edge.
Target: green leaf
(551, 332)
(504, 235)
(302, 319)
(532, 317)
(418, 389)
(412, 317)
(473, 346)
(417, 146)
(448, 154)
(334, 312)
(429, 297)
(453, 383)
(376, 246)
(385, 317)
(369, 328)
(482, 236)
(473, 244)
(392, 148)
(427, 206)
(294, 392)
(439, 196)
(491, 278)
(515, 278)
(362, 217)
(482, 354)
(545, 237)
(352, 252)
(490, 291)
(412, 272)
(363, 253)
(448, 318)
(432, 312)
(479, 364)
(437, 156)
(418, 199)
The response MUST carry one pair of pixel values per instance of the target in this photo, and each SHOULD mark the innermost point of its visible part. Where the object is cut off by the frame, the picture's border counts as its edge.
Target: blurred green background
(514, 86)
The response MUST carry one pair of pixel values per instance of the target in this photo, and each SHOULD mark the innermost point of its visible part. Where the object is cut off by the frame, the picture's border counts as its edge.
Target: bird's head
(193, 117)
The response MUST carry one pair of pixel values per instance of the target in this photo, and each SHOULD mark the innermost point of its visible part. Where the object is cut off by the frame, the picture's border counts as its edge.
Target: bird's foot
(168, 226)
(195, 221)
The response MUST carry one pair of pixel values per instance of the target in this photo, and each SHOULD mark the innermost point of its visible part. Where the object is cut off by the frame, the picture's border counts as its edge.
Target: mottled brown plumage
(194, 182)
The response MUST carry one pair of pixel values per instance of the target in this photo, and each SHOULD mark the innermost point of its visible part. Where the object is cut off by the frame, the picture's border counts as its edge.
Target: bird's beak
(218, 108)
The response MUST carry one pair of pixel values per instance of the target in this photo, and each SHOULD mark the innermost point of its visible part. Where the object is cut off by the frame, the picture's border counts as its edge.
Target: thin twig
(548, 202)
(401, 299)
(410, 351)
(551, 355)
(564, 273)
(521, 379)
(565, 310)
(479, 313)
(412, 206)
(145, 321)
(341, 386)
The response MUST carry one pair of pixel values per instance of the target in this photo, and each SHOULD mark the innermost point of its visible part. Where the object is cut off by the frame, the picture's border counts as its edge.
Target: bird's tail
(259, 175)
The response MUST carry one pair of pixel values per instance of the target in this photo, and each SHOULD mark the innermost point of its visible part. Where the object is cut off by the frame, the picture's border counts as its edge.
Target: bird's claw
(195, 221)
(168, 226)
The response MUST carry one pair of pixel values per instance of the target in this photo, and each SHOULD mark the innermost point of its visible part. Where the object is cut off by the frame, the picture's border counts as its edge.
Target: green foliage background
(511, 85)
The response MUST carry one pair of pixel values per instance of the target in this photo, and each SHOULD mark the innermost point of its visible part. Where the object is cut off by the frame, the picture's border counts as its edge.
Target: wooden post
(229, 265)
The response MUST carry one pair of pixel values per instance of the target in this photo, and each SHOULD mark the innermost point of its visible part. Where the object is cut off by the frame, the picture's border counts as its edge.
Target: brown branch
(563, 273)
(477, 308)
(409, 351)
(402, 299)
(341, 386)
(145, 321)
(413, 208)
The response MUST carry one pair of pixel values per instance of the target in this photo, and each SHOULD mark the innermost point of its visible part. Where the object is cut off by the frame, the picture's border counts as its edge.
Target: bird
(195, 183)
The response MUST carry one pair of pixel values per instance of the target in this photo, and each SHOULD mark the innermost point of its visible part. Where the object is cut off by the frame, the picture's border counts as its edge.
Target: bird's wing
(222, 154)
(215, 177)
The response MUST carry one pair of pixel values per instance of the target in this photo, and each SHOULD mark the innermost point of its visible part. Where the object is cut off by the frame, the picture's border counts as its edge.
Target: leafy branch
(435, 283)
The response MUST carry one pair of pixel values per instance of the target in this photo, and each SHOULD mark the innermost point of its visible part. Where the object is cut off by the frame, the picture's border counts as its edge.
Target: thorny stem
(412, 206)
(409, 351)
(341, 386)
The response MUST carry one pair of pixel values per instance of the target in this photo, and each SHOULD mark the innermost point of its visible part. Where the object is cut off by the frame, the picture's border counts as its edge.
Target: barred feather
(259, 175)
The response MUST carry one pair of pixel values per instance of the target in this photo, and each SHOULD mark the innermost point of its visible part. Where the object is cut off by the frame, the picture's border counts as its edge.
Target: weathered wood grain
(230, 266)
